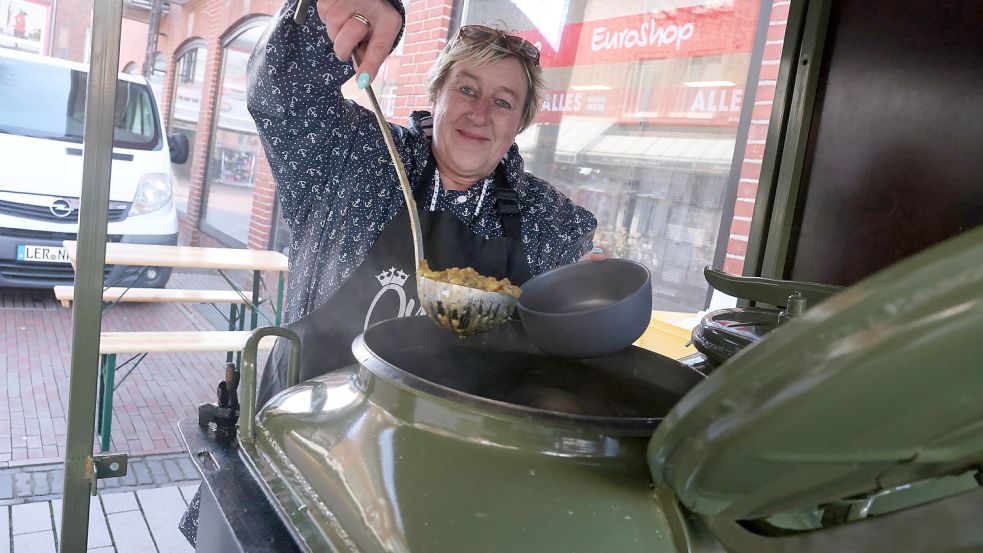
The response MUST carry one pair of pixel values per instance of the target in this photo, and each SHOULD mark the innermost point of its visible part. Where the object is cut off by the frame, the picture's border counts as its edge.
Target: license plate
(42, 254)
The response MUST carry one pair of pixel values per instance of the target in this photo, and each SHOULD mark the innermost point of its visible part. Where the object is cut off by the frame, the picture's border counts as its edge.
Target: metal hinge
(104, 466)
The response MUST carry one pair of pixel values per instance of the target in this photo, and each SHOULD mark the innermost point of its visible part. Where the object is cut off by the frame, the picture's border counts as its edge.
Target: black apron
(384, 285)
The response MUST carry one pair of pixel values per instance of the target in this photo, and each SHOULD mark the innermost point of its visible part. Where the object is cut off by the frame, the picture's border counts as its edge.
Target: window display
(186, 99)
(231, 171)
(639, 122)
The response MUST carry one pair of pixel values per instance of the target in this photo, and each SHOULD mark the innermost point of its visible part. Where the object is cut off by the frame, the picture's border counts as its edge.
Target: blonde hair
(482, 54)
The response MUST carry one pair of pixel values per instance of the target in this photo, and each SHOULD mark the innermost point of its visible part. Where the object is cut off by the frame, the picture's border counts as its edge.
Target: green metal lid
(876, 387)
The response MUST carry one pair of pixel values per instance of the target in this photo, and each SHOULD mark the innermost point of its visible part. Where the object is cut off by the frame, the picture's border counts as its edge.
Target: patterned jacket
(335, 182)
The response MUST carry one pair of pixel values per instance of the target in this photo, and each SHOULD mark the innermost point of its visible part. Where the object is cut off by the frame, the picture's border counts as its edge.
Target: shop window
(188, 67)
(387, 97)
(185, 109)
(387, 79)
(23, 25)
(641, 119)
(651, 77)
(234, 149)
(703, 69)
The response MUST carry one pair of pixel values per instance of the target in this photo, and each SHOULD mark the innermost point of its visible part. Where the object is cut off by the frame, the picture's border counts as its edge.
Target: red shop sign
(681, 105)
(684, 32)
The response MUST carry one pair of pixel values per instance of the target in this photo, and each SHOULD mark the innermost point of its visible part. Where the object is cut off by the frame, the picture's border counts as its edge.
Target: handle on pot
(772, 291)
(247, 430)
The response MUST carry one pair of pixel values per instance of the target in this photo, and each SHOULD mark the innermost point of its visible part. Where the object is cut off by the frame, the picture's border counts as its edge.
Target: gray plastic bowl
(587, 309)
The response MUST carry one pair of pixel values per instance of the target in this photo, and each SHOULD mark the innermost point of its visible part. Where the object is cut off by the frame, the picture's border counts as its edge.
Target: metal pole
(107, 16)
(156, 9)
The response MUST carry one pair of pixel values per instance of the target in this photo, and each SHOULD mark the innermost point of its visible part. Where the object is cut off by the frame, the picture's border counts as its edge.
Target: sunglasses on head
(516, 44)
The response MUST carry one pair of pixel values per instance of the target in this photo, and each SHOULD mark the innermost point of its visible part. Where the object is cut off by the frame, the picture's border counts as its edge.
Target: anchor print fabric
(334, 176)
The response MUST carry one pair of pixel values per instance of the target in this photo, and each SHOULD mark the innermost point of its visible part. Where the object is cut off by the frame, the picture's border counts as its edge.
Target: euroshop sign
(683, 32)
(647, 34)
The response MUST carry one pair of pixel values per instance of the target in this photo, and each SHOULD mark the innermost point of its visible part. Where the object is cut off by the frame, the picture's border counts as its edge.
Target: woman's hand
(597, 254)
(374, 39)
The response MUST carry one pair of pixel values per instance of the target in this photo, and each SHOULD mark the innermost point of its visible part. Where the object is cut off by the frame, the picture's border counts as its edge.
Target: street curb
(44, 482)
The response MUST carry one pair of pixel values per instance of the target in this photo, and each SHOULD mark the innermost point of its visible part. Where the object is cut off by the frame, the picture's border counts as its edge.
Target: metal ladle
(459, 309)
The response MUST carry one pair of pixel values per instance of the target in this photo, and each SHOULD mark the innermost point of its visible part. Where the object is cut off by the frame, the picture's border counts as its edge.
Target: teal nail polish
(597, 250)
(363, 80)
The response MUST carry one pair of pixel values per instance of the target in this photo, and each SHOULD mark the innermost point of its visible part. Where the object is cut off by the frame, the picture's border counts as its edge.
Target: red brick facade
(747, 187)
(428, 23)
(427, 28)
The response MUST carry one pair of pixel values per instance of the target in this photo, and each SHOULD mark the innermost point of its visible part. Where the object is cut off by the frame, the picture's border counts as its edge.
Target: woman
(351, 257)
(351, 260)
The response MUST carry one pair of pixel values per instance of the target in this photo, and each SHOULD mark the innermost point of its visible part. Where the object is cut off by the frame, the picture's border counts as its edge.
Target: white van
(42, 102)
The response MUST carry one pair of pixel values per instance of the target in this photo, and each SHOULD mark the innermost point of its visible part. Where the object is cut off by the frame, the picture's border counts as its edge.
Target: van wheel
(159, 280)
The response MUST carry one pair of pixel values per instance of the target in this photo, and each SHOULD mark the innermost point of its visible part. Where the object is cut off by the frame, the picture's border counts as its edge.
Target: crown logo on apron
(392, 276)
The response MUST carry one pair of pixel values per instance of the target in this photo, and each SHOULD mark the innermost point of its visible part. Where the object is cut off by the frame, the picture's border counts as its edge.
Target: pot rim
(610, 426)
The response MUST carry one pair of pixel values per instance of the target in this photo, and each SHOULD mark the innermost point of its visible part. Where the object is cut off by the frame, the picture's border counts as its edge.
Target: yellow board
(668, 333)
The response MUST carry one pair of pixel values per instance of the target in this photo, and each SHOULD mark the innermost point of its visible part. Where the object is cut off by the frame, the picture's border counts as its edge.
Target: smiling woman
(477, 115)
(340, 195)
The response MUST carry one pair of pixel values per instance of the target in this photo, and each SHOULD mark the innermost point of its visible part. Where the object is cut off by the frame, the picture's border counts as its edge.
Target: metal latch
(104, 466)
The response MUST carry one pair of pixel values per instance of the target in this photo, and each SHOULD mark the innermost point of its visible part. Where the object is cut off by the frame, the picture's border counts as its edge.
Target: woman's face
(476, 117)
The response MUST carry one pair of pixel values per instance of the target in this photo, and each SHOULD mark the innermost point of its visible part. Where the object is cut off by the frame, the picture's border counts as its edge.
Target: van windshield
(46, 101)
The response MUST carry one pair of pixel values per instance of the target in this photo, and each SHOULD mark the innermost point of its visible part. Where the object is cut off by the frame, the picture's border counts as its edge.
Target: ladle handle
(404, 181)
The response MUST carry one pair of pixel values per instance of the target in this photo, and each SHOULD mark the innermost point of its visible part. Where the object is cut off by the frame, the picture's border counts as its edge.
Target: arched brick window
(189, 76)
(234, 150)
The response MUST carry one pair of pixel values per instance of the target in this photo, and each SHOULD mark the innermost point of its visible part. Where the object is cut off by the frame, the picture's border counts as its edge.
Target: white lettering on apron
(393, 280)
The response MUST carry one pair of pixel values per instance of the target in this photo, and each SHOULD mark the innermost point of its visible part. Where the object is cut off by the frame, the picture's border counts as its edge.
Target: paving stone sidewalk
(35, 338)
(44, 482)
(141, 521)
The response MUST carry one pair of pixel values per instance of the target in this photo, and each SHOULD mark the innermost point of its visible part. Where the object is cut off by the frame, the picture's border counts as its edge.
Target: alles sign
(673, 105)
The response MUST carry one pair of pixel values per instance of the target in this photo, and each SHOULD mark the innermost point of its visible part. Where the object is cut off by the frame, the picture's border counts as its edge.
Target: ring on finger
(361, 19)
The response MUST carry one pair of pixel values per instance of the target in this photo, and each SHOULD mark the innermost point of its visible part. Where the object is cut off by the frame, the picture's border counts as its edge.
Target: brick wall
(747, 187)
(133, 43)
(212, 22)
(428, 23)
(427, 28)
(261, 224)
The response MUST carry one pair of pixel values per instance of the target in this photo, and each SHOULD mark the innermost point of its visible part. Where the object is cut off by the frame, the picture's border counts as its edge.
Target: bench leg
(254, 308)
(242, 325)
(233, 310)
(102, 393)
(279, 299)
(106, 408)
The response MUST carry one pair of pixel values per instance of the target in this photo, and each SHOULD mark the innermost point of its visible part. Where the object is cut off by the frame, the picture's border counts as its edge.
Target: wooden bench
(139, 344)
(66, 294)
(142, 343)
(176, 341)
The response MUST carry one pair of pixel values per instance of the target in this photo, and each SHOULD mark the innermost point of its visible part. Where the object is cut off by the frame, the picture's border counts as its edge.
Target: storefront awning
(577, 133)
(644, 150)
